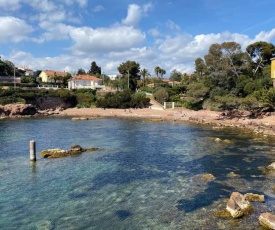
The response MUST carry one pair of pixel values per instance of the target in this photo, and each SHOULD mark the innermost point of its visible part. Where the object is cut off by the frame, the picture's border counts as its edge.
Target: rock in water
(238, 205)
(254, 197)
(234, 210)
(267, 220)
(57, 153)
(76, 148)
(271, 166)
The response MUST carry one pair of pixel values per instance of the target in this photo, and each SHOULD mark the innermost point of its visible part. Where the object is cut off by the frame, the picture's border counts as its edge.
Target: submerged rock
(219, 140)
(57, 153)
(270, 169)
(267, 220)
(155, 120)
(222, 214)
(44, 225)
(207, 176)
(238, 205)
(233, 175)
(254, 197)
(271, 166)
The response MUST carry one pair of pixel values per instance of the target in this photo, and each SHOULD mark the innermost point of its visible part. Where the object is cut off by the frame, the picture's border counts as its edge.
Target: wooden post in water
(32, 151)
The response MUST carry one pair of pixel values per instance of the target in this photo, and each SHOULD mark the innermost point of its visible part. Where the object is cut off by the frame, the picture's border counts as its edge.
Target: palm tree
(162, 72)
(144, 73)
(157, 70)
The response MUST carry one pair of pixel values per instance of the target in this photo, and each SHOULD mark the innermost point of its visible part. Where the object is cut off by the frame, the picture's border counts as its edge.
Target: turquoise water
(145, 175)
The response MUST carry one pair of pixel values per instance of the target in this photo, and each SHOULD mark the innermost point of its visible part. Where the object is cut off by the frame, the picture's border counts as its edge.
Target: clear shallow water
(144, 177)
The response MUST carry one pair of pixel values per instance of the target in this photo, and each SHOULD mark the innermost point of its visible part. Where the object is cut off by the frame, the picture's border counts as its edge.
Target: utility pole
(128, 80)
(14, 77)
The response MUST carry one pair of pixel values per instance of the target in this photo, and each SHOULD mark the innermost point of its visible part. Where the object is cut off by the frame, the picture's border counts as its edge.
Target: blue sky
(70, 34)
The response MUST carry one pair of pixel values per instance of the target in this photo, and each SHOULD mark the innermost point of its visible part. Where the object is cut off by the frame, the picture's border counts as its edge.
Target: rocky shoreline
(264, 126)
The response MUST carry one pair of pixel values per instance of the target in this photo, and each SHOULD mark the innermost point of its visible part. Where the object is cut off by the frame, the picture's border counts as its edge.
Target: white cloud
(56, 16)
(117, 38)
(135, 13)
(11, 5)
(266, 36)
(13, 29)
(82, 3)
(98, 9)
(147, 7)
(173, 45)
(133, 16)
(172, 26)
(53, 31)
(42, 5)
(155, 32)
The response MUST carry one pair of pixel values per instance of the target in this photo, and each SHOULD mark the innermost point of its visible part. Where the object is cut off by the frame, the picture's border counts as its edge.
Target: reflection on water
(145, 175)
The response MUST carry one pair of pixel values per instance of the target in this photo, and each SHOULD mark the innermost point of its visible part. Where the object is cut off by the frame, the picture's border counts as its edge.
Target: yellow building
(48, 75)
(272, 68)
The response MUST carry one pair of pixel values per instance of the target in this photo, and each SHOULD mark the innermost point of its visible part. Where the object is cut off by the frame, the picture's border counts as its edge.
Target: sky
(66, 35)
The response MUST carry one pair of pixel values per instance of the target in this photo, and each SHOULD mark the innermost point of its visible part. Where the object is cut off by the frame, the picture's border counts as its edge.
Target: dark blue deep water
(146, 175)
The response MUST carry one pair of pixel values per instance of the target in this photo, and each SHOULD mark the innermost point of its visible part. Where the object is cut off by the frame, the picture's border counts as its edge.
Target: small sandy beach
(264, 126)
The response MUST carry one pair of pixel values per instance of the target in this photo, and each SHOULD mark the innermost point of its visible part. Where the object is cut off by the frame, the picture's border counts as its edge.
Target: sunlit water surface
(145, 175)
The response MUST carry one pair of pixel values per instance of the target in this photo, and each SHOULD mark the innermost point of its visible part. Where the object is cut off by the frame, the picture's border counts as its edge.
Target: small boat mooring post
(32, 151)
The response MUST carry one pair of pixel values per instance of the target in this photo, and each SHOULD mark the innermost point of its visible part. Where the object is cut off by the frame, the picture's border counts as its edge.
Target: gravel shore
(264, 126)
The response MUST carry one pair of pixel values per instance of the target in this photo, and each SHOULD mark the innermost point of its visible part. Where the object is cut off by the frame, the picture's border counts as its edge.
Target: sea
(145, 175)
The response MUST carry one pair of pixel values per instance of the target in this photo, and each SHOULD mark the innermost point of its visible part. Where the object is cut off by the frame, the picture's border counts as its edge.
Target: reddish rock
(267, 220)
(17, 109)
(238, 205)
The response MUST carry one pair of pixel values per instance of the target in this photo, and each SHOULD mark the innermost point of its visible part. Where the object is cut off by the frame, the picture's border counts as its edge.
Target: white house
(85, 82)
(26, 70)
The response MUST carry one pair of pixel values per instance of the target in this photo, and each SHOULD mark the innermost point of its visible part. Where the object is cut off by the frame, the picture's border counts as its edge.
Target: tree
(175, 75)
(260, 53)
(80, 72)
(161, 95)
(6, 68)
(144, 73)
(200, 67)
(162, 72)
(213, 58)
(65, 79)
(157, 70)
(106, 79)
(130, 70)
(233, 59)
(226, 59)
(54, 77)
(95, 69)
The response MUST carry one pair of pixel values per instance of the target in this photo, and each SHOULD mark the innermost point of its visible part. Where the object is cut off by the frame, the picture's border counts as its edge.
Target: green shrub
(122, 100)
(85, 100)
(11, 100)
(219, 103)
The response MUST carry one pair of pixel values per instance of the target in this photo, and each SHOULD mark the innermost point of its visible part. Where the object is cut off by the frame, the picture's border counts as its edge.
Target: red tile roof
(86, 77)
(58, 73)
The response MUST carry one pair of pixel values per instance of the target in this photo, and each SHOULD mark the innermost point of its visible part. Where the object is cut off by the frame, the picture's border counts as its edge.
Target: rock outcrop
(57, 153)
(17, 110)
